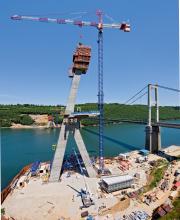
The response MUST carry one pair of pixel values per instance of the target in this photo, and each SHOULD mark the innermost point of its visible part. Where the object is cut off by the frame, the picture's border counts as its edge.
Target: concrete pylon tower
(71, 122)
(153, 132)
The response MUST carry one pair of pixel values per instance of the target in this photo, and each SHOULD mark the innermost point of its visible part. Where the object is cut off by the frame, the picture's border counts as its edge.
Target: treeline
(113, 111)
(19, 114)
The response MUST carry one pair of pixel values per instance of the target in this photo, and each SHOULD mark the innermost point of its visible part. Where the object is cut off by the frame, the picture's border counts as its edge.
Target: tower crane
(124, 26)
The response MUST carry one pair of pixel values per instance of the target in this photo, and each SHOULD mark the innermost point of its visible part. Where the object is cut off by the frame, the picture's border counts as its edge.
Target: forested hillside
(20, 113)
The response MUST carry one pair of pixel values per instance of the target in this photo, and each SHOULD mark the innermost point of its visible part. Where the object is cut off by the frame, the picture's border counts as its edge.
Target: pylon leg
(59, 155)
(84, 154)
(73, 93)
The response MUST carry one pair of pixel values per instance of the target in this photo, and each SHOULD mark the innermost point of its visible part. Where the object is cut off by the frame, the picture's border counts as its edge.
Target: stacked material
(162, 210)
(81, 58)
(137, 215)
(34, 168)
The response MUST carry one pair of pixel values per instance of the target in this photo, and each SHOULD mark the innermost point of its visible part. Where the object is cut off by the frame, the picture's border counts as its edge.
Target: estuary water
(20, 147)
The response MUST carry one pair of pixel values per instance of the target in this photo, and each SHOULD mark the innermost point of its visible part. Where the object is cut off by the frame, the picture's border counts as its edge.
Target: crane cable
(62, 14)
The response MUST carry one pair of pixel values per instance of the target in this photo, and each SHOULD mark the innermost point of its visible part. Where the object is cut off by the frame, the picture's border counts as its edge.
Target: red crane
(99, 26)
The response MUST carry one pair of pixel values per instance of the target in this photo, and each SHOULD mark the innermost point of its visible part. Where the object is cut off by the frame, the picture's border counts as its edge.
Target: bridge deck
(168, 125)
(161, 124)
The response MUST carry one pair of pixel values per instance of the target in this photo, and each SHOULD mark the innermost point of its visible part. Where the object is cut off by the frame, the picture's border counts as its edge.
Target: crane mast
(100, 26)
(100, 92)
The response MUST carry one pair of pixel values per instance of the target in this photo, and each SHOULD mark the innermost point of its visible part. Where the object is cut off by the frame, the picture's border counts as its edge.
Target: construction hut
(144, 152)
(167, 207)
(44, 169)
(162, 210)
(176, 186)
(111, 184)
(159, 212)
(123, 156)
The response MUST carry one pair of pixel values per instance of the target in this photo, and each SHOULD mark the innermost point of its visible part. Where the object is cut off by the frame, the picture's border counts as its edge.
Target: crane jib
(122, 26)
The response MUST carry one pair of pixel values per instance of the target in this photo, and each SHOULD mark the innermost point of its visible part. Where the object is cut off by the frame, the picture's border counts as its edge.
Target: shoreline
(20, 126)
(131, 152)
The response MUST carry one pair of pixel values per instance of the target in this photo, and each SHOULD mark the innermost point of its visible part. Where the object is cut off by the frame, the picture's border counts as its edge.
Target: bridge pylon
(153, 138)
(153, 133)
(71, 122)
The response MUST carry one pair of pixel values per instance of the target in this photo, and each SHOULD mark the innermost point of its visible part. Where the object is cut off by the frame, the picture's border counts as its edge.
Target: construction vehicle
(84, 193)
(86, 199)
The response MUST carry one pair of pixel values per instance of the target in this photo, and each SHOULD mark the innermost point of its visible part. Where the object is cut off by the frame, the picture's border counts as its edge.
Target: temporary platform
(85, 114)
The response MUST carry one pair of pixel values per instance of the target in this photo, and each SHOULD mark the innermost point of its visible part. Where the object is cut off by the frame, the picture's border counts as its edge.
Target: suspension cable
(135, 95)
(168, 88)
(139, 97)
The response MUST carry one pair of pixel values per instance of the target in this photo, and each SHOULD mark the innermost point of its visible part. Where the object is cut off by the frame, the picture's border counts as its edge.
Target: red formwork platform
(81, 58)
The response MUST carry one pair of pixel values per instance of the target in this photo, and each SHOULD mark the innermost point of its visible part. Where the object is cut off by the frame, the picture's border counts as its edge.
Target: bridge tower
(71, 123)
(153, 133)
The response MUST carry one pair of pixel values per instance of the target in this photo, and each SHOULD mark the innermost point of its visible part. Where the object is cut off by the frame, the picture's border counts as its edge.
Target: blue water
(20, 147)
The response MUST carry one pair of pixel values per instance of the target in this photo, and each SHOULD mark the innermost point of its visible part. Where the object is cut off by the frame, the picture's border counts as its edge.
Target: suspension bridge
(137, 96)
(152, 130)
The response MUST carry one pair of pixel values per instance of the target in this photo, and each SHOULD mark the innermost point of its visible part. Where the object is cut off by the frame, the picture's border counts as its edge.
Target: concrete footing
(153, 138)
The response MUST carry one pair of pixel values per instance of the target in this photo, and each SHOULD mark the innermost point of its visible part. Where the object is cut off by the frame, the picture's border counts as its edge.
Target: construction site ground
(54, 201)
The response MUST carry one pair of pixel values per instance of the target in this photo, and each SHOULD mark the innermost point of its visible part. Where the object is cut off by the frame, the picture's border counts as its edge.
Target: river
(20, 147)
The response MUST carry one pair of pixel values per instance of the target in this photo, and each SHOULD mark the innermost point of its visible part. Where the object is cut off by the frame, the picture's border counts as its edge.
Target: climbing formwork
(81, 59)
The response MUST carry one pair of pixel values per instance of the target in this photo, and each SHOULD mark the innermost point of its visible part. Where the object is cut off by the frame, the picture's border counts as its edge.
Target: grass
(175, 213)
(156, 174)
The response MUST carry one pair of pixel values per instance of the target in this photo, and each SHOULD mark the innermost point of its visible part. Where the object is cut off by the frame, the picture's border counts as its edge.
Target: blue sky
(35, 56)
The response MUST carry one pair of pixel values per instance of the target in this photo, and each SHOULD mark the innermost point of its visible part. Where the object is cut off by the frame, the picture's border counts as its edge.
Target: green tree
(26, 120)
